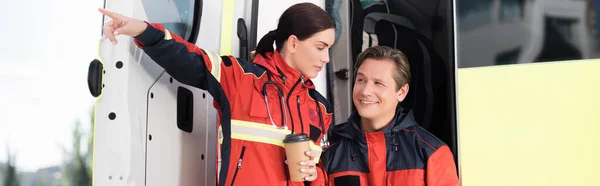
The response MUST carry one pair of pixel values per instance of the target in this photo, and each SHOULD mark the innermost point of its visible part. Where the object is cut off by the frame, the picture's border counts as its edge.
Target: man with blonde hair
(381, 143)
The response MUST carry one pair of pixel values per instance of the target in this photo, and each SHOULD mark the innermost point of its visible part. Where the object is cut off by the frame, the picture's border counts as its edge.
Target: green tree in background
(10, 173)
(77, 168)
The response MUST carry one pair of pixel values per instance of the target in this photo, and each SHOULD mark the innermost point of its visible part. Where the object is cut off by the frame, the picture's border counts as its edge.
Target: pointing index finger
(109, 13)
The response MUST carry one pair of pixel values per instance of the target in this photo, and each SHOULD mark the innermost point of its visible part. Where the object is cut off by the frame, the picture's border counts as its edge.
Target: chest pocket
(260, 110)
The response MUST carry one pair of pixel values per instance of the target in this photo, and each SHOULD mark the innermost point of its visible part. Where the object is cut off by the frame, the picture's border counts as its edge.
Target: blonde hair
(402, 74)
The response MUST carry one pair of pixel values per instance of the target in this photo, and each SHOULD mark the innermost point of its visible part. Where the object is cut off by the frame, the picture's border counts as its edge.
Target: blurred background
(45, 105)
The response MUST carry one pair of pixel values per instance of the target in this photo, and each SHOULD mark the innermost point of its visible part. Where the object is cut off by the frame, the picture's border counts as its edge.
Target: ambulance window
(181, 17)
(511, 10)
(544, 32)
(563, 26)
(473, 13)
(508, 57)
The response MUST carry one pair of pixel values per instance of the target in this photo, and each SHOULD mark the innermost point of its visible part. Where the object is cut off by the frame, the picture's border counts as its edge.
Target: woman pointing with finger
(258, 102)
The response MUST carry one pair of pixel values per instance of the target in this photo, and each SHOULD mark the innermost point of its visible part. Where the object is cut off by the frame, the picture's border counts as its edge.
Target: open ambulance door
(149, 128)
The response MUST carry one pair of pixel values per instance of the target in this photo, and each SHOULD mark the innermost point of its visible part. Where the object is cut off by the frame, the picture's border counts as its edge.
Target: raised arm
(185, 61)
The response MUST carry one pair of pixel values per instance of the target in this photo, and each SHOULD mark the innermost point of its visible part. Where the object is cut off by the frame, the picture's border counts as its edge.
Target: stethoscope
(324, 143)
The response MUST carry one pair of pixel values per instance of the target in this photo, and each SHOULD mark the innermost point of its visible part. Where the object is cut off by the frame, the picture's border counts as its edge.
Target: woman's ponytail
(301, 20)
(266, 43)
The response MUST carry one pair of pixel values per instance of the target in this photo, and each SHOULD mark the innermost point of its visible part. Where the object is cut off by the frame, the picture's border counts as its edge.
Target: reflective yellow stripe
(95, 109)
(227, 27)
(260, 139)
(168, 35)
(257, 132)
(262, 133)
(258, 126)
(215, 60)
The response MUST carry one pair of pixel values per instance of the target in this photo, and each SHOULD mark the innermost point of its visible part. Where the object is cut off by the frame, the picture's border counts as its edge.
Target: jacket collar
(286, 75)
(351, 129)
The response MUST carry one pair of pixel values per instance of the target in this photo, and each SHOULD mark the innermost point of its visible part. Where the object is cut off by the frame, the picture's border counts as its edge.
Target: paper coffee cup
(295, 147)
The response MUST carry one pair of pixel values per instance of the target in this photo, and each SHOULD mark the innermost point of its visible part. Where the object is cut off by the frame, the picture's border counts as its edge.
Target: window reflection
(177, 16)
(473, 13)
(498, 32)
(511, 10)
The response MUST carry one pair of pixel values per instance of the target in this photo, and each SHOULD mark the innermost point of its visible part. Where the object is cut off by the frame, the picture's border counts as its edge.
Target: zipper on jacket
(239, 164)
(300, 115)
(394, 139)
(283, 77)
(353, 150)
(287, 101)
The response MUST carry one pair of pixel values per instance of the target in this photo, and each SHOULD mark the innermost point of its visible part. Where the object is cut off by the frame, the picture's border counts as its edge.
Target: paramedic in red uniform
(381, 144)
(258, 102)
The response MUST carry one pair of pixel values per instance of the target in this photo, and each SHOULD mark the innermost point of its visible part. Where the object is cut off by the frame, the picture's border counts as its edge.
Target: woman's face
(310, 55)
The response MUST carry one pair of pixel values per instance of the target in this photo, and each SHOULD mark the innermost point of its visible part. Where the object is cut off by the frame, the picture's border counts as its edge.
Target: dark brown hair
(302, 20)
(402, 74)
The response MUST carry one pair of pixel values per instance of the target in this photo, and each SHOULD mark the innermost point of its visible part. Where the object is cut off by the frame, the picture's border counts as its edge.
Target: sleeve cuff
(150, 36)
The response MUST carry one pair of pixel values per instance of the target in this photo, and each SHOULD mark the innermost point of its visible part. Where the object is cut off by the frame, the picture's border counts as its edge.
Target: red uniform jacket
(403, 153)
(252, 148)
